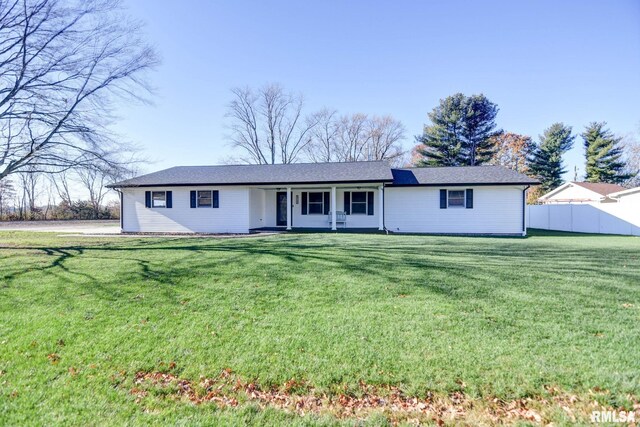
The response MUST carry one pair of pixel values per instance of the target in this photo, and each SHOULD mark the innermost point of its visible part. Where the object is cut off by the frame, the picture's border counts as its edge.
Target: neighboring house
(581, 192)
(357, 195)
(627, 197)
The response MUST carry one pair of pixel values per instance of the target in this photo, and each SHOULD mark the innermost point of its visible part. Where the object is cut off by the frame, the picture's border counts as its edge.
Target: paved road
(80, 227)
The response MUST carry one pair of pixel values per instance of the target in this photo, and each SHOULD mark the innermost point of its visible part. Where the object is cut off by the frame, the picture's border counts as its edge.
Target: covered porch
(317, 207)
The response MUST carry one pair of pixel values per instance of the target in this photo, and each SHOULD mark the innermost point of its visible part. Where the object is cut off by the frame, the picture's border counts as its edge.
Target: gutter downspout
(524, 211)
(384, 203)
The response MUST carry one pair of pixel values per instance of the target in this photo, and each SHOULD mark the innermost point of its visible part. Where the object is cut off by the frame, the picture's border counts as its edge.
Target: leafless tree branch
(63, 64)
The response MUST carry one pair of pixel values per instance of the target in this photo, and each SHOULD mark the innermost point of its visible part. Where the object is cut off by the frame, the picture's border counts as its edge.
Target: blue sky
(540, 61)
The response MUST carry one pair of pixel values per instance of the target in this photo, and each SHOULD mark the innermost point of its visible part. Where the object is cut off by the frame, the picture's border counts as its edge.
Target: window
(205, 199)
(358, 202)
(316, 203)
(456, 198)
(159, 199)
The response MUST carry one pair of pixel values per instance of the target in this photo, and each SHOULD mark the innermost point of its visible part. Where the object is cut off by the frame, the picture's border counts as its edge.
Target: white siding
(256, 208)
(231, 217)
(496, 210)
(631, 199)
(270, 208)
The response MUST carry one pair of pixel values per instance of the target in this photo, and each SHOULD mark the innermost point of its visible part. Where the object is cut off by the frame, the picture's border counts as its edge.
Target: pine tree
(479, 130)
(546, 161)
(461, 132)
(604, 155)
(442, 141)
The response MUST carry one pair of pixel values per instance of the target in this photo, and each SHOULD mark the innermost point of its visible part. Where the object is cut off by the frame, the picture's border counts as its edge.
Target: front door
(281, 208)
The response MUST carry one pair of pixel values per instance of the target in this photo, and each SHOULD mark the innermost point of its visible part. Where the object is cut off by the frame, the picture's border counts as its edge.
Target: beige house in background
(583, 192)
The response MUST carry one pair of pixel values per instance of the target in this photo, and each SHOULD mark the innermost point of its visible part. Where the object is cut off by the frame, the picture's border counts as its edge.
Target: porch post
(333, 208)
(381, 208)
(289, 201)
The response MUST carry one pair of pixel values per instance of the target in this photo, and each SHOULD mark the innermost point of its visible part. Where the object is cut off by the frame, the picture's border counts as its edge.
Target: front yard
(230, 331)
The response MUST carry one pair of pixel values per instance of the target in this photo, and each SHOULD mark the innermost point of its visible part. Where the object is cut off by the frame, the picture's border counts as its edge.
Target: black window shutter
(216, 199)
(347, 202)
(469, 195)
(193, 199)
(304, 203)
(370, 203)
(443, 199)
(147, 199)
(327, 202)
(169, 199)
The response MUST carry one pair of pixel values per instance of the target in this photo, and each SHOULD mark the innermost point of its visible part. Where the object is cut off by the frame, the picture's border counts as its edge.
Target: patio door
(281, 208)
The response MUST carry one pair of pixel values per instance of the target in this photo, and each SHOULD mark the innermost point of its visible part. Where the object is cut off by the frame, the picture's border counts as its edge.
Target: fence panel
(603, 218)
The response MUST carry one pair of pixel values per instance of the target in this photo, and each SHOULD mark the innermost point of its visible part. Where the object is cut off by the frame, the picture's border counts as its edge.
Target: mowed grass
(492, 317)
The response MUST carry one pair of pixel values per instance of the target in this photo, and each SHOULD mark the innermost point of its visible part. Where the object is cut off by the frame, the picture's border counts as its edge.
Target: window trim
(365, 203)
(309, 202)
(464, 199)
(198, 205)
(153, 200)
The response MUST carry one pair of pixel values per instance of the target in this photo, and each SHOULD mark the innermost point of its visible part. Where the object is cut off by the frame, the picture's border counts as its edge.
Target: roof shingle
(311, 173)
(601, 188)
(295, 173)
(460, 175)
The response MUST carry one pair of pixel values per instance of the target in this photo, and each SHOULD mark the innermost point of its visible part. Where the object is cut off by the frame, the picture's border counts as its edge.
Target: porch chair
(341, 218)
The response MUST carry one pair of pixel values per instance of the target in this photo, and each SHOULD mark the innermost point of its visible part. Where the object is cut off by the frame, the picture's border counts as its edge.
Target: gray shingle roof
(459, 175)
(308, 173)
(296, 173)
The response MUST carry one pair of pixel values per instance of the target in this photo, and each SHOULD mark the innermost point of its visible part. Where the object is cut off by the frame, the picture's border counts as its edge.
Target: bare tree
(7, 193)
(324, 136)
(94, 180)
(62, 185)
(30, 186)
(385, 136)
(353, 138)
(632, 162)
(356, 137)
(63, 64)
(268, 124)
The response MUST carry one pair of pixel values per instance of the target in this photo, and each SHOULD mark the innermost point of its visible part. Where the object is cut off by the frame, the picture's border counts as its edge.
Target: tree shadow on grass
(440, 267)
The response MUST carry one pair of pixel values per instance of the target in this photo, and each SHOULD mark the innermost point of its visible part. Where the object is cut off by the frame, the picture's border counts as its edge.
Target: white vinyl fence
(603, 218)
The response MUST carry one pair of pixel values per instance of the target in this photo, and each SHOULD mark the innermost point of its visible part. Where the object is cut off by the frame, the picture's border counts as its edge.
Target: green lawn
(502, 318)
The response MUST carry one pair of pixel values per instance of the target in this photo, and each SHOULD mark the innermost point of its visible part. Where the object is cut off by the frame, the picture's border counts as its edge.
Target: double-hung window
(358, 202)
(456, 199)
(316, 203)
(159, 199)
(205, 198)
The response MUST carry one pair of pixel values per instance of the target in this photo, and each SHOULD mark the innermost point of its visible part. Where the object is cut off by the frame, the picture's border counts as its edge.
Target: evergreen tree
(479, 130)
(604, 155)
(441, 142)
(546, 161)
(461, 132)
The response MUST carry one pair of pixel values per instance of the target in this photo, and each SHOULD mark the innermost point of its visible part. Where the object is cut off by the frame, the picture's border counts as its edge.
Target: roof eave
(459, 184)
(241, 184)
